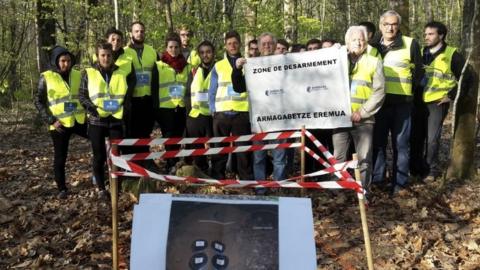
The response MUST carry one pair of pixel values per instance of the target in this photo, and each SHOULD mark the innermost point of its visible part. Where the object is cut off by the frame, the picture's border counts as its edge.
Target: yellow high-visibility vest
(373, 51)
(171, 93)
(194, 59)
(143, 69)
(101, 92)
(124, 63)
(226, 98)
(397, 67)
(199, 92)
(440, 78)
(62, 98)
(361, 79)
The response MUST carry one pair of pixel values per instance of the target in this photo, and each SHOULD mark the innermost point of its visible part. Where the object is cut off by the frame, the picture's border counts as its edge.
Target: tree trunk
(462, 165)
(290, 20)
(45, 34)
(428, 11)
(401, 6)
(168, 15)
(323, 18)
(251, 17)
(115, 5)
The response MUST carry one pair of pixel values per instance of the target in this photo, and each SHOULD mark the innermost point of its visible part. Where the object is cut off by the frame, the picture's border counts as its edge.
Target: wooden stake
(363, 216)
(114, 197)
(302, 155)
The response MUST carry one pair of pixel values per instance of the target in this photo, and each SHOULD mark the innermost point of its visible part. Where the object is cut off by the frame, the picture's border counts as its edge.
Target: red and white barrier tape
(208, 151)
(136, 170)
(339, 171)
(203, 140)
(331, 159)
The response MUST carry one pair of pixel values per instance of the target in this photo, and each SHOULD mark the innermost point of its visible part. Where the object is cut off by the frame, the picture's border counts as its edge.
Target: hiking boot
(63, 194)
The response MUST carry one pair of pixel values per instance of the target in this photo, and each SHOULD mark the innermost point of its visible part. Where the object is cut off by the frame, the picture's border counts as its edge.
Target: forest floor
(431, 226)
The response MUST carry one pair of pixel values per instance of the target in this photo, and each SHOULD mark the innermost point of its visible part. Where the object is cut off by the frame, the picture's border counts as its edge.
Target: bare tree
(45, 34)
(465, 109)
(290, 20)
(402, 7)
(251, 17)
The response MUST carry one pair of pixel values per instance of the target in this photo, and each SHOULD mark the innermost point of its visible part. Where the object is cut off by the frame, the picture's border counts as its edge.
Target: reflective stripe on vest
(227, 99)
(143, 69)
(361, 79)
(99, 92)
(59, 93)
(171, 86)
(397, 67)
(439, 75)
(199, 92)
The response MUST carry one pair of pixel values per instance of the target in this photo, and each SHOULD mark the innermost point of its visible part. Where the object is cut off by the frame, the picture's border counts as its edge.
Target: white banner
(309, 88)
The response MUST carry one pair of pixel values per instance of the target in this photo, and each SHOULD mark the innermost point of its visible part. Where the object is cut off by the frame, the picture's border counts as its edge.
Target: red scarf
(177, 63)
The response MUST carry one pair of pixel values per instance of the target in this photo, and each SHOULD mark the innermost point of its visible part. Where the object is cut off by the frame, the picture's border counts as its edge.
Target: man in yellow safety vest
(143, 57)
(367, 93)
(402, 65)
(443, 67)
(229, 108)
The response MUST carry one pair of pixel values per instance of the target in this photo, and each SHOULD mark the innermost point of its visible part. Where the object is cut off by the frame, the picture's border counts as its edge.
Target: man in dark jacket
(443, 68)
(402, 65)
(58, 104)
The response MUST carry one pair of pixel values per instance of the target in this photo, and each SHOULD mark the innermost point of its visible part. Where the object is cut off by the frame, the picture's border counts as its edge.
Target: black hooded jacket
(41, 99)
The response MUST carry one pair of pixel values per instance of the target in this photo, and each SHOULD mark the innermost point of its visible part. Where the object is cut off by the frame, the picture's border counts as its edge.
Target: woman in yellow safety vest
(103, 93)
(367, 92)
(169, 97)
(58, 104)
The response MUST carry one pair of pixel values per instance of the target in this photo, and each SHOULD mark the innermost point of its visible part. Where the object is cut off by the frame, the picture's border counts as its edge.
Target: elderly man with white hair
(366, 95)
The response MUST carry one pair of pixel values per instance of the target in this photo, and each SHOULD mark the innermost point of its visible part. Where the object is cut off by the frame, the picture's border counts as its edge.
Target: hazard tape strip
(208, 151)
(339, 171)
(331, 159)
(136, 170)
(203, 140)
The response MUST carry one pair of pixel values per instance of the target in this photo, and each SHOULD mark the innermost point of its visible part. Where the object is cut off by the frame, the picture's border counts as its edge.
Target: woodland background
(29, 28)
(432, 226)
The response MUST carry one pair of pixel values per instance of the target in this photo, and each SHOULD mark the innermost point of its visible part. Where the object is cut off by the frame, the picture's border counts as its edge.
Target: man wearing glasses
(190, 54)
(402, 64)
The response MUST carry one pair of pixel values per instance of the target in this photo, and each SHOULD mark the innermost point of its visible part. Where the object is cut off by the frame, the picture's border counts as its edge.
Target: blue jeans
(394, 119)
(279, 163)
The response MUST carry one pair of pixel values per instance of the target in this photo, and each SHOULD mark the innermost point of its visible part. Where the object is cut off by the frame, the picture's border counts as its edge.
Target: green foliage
(81, 23)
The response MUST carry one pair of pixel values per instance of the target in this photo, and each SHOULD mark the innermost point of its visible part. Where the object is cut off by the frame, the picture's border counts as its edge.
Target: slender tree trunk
(462, 165)
(323, 18)
(428, 10)
(45, 34)
(168, 14)
(401, 6)
(290, 20)
(251, 17)
(115, 5)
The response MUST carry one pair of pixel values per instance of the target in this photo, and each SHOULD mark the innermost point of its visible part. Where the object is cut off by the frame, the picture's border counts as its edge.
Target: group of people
(396, 89)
